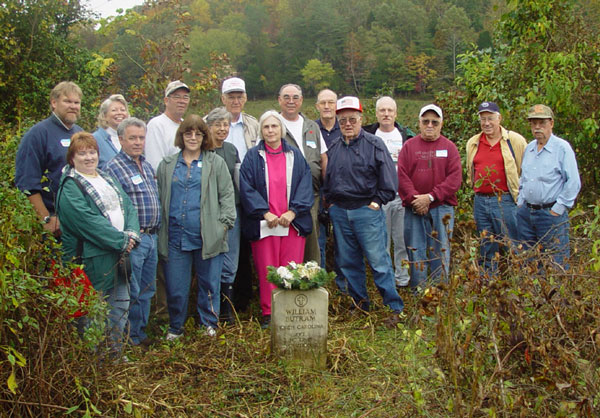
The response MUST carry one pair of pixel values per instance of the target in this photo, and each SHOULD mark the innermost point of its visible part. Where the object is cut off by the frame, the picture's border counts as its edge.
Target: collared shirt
(184, 210)
(140, 186)
(236, 137)
(359, 172)
(549, 175)
(329, 136)
(490, 175)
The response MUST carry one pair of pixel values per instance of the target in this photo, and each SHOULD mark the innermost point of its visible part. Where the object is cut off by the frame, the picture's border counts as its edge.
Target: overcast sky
(109, 7)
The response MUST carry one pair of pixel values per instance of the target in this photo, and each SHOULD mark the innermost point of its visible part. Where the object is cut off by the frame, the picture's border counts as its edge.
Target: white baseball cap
(432, 107)
(233, 84)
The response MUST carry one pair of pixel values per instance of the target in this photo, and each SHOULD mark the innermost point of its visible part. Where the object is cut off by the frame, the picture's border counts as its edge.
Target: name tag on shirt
(65, 142)
(311, 144)
(137, 179)
(199, 164)
(441, 153)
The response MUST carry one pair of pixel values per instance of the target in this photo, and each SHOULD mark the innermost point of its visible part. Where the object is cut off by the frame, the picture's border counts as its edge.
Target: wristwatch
(431, 197)
(46, 219)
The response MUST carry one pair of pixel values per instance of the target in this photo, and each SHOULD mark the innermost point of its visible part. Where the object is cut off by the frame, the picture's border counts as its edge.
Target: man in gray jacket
(305, 135)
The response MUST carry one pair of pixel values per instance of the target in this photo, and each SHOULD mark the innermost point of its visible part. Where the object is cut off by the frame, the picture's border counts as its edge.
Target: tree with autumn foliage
(37, 51)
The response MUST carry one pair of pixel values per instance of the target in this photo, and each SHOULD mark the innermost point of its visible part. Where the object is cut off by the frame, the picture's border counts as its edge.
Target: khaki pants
(311, 249)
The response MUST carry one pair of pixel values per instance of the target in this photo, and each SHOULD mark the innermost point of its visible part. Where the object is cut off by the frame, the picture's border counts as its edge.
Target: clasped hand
(421, 204)
(284, 220)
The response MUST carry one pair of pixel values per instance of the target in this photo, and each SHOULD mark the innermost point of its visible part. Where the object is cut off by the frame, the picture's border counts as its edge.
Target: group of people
(196, 192)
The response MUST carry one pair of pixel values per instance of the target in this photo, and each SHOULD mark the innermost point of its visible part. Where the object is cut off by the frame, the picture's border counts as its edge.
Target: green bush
(42, 359)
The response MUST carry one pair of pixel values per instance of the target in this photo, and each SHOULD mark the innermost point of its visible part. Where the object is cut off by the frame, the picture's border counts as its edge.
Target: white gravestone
(299, 325)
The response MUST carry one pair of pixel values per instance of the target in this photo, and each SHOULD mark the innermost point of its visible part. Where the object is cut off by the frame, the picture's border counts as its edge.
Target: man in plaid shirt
(138, 179)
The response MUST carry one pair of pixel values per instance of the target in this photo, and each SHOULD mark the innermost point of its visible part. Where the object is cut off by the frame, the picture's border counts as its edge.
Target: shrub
(43, 361)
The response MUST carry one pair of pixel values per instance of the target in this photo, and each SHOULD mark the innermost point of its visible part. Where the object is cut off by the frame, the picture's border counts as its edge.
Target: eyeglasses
(352, 120)
(193, 134)
(427, 122)
(287, 97)
(234, 98)
(540, 122)
(185, 97)
(488, 119)
(220, 125)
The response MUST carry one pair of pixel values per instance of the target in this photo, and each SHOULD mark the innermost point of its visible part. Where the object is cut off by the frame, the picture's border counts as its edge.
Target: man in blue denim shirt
(549, 185)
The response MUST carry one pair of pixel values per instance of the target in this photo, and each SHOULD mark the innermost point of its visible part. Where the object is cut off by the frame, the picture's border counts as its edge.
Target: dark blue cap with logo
(488, 107)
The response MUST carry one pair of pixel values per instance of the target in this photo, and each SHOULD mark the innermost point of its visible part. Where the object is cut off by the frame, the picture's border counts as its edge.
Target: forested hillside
(356, 46)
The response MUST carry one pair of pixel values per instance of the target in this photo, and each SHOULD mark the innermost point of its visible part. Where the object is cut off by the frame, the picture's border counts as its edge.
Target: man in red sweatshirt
(429, 175)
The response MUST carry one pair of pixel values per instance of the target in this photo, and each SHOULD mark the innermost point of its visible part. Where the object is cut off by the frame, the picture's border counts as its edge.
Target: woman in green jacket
(99, 227)
(197, 208)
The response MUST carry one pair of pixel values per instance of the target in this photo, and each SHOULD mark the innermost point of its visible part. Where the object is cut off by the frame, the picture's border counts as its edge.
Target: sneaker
(402, 282)
(210, 331)
(172, 337)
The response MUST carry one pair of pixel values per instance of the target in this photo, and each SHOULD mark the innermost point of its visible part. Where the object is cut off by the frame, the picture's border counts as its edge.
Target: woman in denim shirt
(198, 208)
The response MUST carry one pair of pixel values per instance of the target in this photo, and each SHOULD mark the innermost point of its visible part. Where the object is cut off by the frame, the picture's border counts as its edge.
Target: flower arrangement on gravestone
(299, 276)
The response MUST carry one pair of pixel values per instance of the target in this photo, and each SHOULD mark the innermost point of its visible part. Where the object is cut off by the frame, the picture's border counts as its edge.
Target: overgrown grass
(523, 345)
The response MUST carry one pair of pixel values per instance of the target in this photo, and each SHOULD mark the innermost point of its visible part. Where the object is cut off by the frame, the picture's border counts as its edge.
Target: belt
(539, 207)
(489, 194)
(149, 231)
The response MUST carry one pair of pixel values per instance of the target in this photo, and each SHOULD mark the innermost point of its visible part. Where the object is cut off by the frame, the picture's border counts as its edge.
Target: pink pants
(275, 251)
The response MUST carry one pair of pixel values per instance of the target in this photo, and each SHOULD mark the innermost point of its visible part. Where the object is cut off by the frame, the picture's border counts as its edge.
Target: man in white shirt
(160, 137)
(243, 131)
(160, 143)
(393, 136)
(305, 135)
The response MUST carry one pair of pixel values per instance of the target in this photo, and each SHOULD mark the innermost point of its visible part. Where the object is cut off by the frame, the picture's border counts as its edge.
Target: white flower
(311, 265)
(302, 271)
(293, 264)
(287, 283)
(284, 273)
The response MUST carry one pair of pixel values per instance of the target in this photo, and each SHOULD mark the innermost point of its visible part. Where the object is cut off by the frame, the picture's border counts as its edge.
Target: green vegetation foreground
(526, 344)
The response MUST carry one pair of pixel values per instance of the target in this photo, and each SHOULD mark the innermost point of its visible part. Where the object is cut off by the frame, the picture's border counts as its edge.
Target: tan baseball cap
(175, 85)
(540, 111)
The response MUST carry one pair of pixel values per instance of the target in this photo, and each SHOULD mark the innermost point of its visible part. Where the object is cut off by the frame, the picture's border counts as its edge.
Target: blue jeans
(361, 232)
(552, 232)
(322, 243)
(232, 257)
(427, 241)
(144, 259)
(499, 220)
(118, 300)
(394, 220)
(178, 275)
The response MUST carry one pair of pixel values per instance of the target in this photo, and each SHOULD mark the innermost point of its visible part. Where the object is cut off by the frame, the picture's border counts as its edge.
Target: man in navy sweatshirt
(42, 151)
